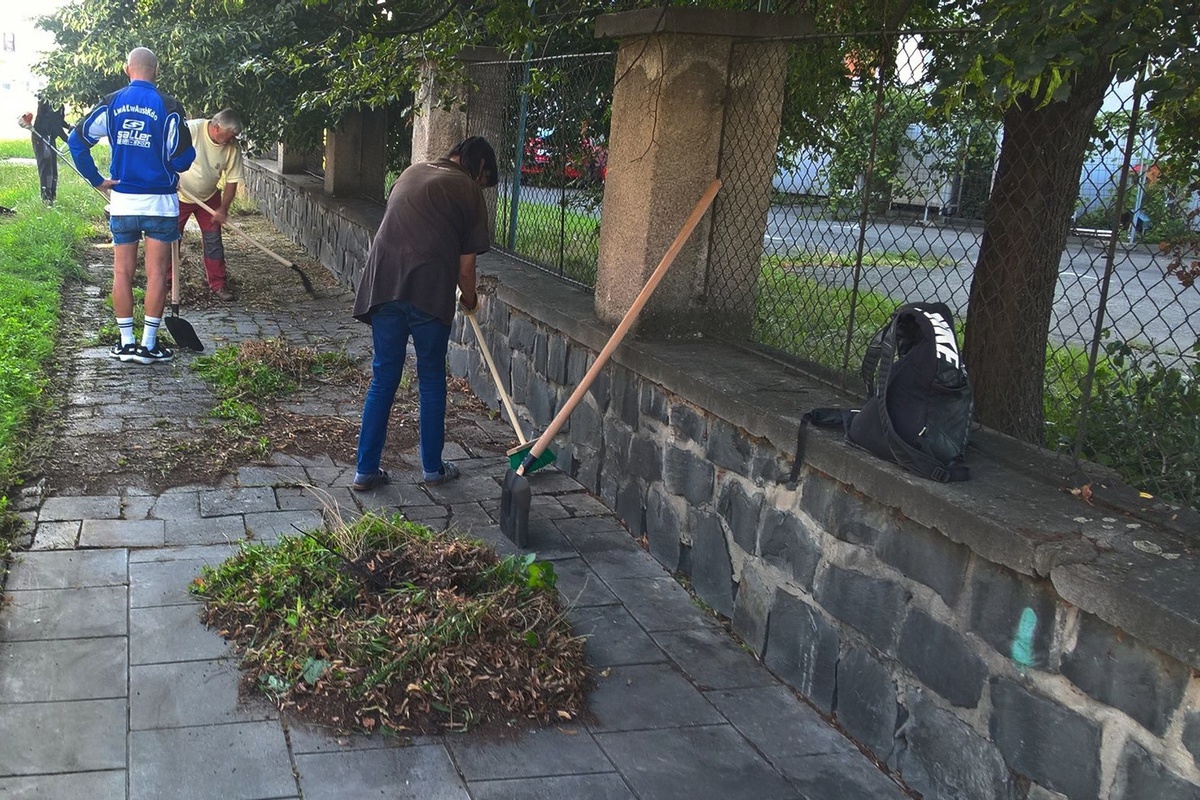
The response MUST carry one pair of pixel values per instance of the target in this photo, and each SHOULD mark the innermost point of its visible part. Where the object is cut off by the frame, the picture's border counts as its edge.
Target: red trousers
(210, 234)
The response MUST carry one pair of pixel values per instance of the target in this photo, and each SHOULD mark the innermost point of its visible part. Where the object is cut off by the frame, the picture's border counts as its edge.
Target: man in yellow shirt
(217, 159)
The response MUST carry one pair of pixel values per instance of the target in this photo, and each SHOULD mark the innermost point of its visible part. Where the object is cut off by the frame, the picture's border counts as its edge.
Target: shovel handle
(175, 276)
(627, 321)
(487, 356)
(236, 229)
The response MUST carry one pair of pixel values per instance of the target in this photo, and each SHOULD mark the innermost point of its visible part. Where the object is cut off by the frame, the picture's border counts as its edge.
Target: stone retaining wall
(995, 639)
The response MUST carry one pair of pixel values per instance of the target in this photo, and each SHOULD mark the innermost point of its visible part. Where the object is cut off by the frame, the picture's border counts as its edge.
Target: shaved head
(141, 64)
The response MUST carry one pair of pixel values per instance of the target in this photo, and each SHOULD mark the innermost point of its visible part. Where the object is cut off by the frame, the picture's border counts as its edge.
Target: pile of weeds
(383, 624)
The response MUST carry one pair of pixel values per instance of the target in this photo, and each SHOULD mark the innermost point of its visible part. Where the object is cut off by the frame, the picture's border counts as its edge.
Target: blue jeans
(391, 325)
(129, 229)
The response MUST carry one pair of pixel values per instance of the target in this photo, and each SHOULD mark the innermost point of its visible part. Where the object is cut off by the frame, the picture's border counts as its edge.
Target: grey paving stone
(579, 586)
(222, 502)
(109, 785)
(613, 637)
(333, 476)
(782, 727)
(63, 669)
(205, 530)
(548, 542)
(423, 772)
(162, 634)
(241, 761)
(467, 489)
(647, 696)
(207, 554)
(269, 526)
(122, 533)
(271, 476)
(658, 604)
(69, 570)
(712, 659)
(436, 518)
(837, 776)
(64, 613)
(177, 506)
(581, 504)
(467, 517)
(492, 537)
(162, 583)
(618, 563)
(306, 737)
(181, 694)
(606, 786)
(75, 736)
(69, 508)
(690, 763)
(295, 498)
(137, 506)
(56, 535)
(563, 750)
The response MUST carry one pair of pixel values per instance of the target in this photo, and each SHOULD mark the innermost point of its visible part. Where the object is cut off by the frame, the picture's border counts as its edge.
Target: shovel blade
(514, 508)
(184, 334)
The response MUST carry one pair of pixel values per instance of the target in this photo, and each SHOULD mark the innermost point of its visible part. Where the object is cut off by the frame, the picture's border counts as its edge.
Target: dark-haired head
(478, 158)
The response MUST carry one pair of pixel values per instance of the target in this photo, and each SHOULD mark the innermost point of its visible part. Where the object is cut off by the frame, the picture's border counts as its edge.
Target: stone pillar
(290, 159)
(440, 121)
(679, 81)
(356, 155)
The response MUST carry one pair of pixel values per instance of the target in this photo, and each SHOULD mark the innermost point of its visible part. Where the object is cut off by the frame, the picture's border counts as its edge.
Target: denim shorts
(129, 229)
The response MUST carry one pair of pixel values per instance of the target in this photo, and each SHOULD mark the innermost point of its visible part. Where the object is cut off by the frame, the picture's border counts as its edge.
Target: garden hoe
(517, 454)
(516, 496)
(308, 284)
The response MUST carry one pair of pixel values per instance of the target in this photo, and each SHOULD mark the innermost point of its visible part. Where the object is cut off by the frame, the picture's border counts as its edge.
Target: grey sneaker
(145, 355)
(449, 472)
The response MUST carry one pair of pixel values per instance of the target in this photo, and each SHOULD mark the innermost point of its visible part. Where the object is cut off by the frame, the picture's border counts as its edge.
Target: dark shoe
(367, 484)
(224, 294)
(449, 472)
(125, 352)
(143, 355)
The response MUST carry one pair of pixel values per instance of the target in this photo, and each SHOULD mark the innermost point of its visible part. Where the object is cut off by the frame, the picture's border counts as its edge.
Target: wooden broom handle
(236, 229)
(487, 356)
(631, 315)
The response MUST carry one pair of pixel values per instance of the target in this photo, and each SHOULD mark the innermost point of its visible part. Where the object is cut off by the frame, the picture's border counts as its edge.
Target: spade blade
(514, 508)
(184, 334)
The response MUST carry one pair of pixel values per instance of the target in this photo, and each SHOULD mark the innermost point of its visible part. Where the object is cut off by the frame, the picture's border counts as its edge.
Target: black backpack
(918, 409)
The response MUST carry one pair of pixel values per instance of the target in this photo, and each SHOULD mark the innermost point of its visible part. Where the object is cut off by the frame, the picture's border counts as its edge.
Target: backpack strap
(905, 454)
(821, 417)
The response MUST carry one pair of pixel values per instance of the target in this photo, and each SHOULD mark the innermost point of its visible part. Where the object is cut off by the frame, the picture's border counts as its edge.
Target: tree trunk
(1025, 231)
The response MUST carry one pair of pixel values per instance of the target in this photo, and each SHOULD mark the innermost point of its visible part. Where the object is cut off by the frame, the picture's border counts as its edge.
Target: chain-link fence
(548, 119)
(875, 203)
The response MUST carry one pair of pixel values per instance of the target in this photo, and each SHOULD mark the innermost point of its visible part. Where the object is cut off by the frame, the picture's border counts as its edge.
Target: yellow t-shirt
(212, 162)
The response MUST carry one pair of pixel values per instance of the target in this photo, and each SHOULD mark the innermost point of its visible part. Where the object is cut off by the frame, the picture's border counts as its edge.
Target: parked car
(584, 165)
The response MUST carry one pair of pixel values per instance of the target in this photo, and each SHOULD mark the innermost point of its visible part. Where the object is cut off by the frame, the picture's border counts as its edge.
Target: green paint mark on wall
(1022, 646)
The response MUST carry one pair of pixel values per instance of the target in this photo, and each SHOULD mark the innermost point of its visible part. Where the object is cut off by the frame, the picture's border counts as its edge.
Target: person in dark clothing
(434, 225)
(48, 127)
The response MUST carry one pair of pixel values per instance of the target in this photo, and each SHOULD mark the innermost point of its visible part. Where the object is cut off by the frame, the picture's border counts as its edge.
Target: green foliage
(1143, 421)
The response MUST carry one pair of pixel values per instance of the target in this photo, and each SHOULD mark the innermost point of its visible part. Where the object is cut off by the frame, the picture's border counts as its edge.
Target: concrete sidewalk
(110, 687)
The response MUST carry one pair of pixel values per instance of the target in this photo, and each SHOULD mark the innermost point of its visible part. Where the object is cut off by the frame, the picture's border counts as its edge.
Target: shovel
(516, 496)
(181, 330)
(517, 454)
(308, 284)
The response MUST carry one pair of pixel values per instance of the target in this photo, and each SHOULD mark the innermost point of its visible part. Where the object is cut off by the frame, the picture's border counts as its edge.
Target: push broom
(516, 496)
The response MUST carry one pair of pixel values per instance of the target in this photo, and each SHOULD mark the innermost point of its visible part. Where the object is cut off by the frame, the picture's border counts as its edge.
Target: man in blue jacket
(150, 146)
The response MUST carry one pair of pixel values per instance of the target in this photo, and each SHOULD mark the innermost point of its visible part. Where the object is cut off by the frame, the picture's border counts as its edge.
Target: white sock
(150, 332)
(125, 326)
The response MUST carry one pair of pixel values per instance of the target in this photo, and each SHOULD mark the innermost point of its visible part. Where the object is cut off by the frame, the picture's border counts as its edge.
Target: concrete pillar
(356, 155)
(290, 159)
(440, 121)
(681, 79)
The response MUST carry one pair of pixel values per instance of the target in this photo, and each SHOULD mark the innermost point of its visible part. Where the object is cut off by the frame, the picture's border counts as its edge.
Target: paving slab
(269, 526)
(162, 583)
(712, 660)
(64, 613)
(240, 761)
(658, 604)
(605, 786)
(690, 763)
(305, 737)
(71, 569)
(421, 772)
(647, 696)
(56, 535)
(162, 634)
(75, 736)
(64, 669)
(71, 508)
(122, 533)
(181, 694)
(613, 637)
(578, 586)
(271, 476)
(177, 506)
(561, 750)
(223, 502)
(108, 785)
(205, 530)
(206, 554)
